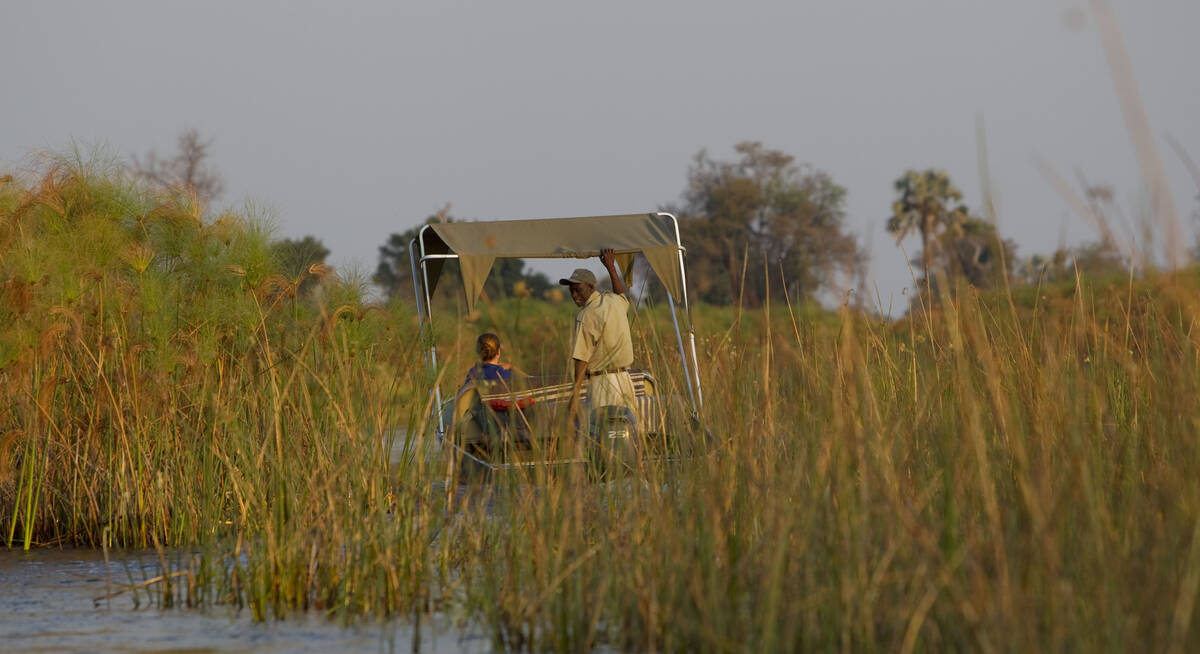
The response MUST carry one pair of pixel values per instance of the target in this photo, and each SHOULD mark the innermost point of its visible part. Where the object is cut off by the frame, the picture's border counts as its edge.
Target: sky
(352, 120)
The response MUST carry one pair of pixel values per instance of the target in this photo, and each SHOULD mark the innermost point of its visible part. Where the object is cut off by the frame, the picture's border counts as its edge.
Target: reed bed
(1008, 471)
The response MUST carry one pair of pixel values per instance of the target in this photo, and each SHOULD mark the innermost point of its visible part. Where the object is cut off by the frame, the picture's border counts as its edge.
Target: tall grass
(1002, 471)
(159, 376)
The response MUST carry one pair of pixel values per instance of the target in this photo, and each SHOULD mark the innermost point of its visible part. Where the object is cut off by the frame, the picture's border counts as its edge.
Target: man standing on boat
(602, 350)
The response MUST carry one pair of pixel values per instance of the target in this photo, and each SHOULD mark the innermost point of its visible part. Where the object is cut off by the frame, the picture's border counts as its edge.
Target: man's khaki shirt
(602, 333)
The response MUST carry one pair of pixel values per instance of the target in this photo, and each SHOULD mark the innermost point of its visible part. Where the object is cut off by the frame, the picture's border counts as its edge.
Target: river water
(48, 603)
(52, 600)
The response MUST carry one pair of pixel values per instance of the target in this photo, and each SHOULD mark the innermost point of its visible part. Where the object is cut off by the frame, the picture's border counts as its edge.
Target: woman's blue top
(491, 372)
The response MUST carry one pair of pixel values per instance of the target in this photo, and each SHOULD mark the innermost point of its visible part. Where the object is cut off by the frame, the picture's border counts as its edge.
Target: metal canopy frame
(419, 259)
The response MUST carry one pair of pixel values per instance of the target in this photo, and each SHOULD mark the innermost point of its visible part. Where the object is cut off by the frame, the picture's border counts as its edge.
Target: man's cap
(580, 276)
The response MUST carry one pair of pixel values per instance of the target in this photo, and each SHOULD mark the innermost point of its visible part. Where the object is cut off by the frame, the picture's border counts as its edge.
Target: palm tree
(923, 205)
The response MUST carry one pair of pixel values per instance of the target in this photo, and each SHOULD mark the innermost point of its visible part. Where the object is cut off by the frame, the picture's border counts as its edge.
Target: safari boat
(498, 425)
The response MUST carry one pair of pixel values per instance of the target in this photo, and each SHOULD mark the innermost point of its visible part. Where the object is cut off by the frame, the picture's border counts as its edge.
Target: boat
(489, 426)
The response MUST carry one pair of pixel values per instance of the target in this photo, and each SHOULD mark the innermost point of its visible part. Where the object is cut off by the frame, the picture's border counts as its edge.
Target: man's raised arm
(609, 259)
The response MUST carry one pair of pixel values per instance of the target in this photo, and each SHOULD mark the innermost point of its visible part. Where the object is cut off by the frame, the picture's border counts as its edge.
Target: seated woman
(494, 376)
(487, 385)
(489, 367)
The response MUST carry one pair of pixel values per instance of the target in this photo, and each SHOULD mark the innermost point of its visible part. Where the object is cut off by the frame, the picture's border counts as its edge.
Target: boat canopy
(477, 245)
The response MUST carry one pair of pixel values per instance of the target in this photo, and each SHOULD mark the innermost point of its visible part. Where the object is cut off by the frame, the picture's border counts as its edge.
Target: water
(52, 600)
(48, 604)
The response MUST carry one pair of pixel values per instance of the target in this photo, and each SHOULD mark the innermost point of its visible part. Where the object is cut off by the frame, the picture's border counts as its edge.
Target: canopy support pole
(425, 322)
(698, 399)
(682, 353)
(696, 368)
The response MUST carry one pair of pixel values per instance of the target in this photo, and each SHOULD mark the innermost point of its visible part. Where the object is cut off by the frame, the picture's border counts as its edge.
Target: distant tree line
(761, 225)
(757, 226)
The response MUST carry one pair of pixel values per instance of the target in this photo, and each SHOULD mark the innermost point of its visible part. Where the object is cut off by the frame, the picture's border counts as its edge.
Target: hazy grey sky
(353, 120)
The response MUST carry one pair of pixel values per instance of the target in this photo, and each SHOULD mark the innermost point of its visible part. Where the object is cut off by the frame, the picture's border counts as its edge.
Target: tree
(186, 170)
(972, 249)
(924, 205)
(301, 260)
(1094, 259)
(394, 274)
(764, 211)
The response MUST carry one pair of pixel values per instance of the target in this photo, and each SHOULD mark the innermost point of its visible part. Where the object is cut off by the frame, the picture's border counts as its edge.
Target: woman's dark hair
(488, 346)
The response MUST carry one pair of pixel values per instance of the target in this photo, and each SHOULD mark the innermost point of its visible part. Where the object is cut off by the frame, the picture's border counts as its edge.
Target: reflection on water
(47, 604)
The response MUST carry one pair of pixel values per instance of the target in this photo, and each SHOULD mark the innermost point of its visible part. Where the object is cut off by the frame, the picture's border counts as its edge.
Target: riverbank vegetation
(1001, 469)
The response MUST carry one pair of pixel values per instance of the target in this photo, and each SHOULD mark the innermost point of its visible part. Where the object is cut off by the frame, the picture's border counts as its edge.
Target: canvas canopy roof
(479, 244)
